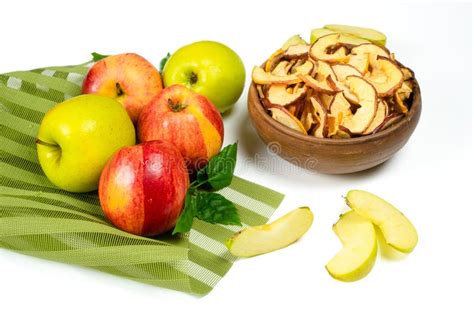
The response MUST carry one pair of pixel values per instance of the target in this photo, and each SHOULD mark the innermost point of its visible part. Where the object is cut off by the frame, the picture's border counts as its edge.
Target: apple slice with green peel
(357, 256)
(262, 239)
(293, 40)
(362, 32)
(319, 32)
(397, 230)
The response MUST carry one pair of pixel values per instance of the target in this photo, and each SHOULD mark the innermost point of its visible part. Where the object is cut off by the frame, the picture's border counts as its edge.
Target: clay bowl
(333, 156)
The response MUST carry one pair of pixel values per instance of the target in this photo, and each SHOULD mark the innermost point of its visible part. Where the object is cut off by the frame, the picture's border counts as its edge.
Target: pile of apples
(89, 142)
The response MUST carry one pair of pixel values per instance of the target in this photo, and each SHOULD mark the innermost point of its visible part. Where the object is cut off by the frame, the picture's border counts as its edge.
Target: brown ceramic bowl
(333, 156)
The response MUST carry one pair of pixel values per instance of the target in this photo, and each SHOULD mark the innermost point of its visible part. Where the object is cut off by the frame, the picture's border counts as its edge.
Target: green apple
(78, 136)
(357, 256)
(210, 69)
(397, 230)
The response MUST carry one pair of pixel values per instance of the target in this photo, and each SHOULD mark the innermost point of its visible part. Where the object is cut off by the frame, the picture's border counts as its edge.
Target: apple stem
(193, 78)
(119, 89)
(38, 141)
(175, 107)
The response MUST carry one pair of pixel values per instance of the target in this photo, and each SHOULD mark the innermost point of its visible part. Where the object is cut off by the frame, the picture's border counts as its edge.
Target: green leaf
(220, 169)
(96, 56)
(164, 61)
(215, 208)
(185, 220)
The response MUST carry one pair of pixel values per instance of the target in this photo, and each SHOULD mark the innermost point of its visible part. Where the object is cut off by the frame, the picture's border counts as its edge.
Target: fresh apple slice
(319, 32)
(362, 32)
(320, 48)
(385, 76)
(284, 117)
(259, 76)
(357, 256)
(367, 97)
(278, 94)
(293, 40)
(257, 240)
(297, 51)
(360, 62)
(274, 60)
(372, 50)
(379, 118)
(397, 230)
(322, 113)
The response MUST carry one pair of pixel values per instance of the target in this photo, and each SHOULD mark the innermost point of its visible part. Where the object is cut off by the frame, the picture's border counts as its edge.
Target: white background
(429, 179)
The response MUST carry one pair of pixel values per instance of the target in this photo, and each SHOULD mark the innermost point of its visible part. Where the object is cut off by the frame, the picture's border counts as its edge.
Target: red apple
(186, 119)
(142, 188)
(128, 78)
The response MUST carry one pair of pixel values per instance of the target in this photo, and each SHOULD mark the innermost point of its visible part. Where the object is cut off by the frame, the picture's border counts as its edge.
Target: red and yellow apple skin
(188, 120)
(128, 78)
(142, 188)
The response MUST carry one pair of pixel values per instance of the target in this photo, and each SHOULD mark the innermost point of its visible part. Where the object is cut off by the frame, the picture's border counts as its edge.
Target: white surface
(428, 179)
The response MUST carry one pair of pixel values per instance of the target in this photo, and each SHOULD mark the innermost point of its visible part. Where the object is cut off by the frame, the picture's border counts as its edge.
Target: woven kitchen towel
(38, 219)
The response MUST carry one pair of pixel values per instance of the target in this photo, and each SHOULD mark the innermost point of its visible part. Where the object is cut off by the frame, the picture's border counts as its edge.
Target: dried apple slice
(278, 94)
(385, 76)
(360, 62)
(259, 76)
(319, 49)
(372, 50)
(297, 51)
(342, 71)
(389, 120)
(260, 91)
(273, 60)
(333, 122)
(378, 119)
(281, 68)
(284, 117)
(367, 96)
(326, 99)
(320, 86)
(308, 116)
(407, 73)
(293, 40)
(339, 104)
(362, 32)
(399, 106)
(321, 112)
(305, 68)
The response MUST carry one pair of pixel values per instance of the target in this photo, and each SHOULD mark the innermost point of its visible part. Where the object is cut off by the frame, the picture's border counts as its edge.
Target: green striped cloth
(38, 219)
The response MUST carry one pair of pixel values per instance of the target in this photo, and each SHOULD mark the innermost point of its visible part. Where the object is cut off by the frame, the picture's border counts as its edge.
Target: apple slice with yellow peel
(357, 256)
(397, 230)
(362, 32)
(284, 117)
(259, 76)
(293, 40)
(262, 239)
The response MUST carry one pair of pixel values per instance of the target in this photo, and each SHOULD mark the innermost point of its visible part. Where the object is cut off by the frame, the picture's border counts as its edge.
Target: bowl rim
(415, 108)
